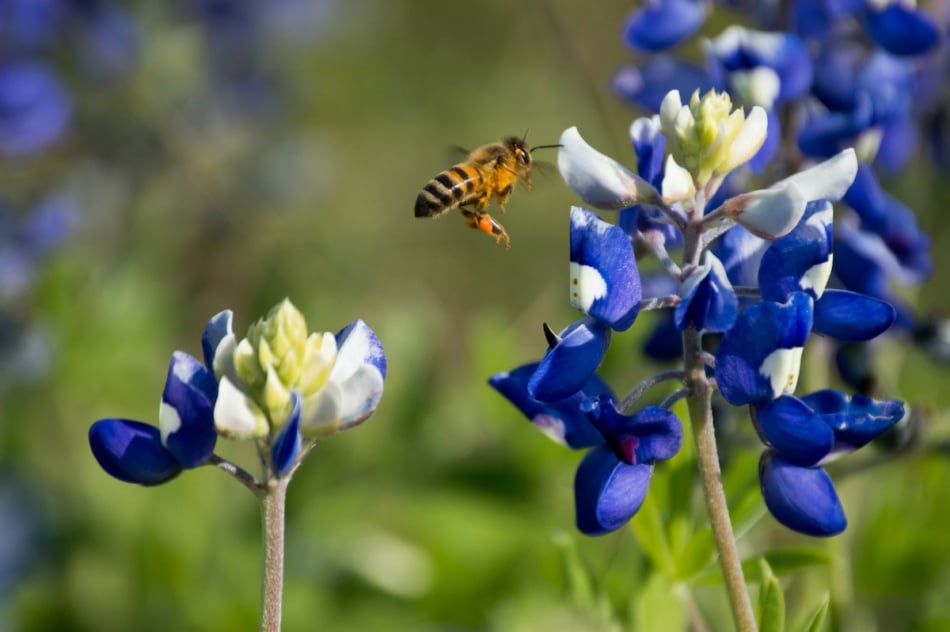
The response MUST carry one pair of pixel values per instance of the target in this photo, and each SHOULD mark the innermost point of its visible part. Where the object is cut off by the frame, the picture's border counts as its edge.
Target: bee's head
(519, 149)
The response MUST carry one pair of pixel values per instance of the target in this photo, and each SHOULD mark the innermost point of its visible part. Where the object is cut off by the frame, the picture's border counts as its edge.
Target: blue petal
(287, 444)
(852, 317)
(856, 419)
(901, 30)
(569, 364)
(648, 84)
(836, 71)
(741, 252)
(761, 330)
(862, 261)
(605, 283)
(708, 303)
(561, 420)
(788, 262)
(652, 434)
(649, 145)
(663, 23)
(218, 328)
(190, 394)
(895, 224)
(132, 451)
(740, 49)
(607, 493)
(794, 430)
(825, 134)
(899, 143)
(801, 498)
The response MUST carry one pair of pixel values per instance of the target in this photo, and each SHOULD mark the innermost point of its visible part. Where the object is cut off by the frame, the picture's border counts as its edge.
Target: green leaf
(816, 622)
(793, 560)
(651, 535)
(771, 600)
(698, 553)
(578, 577)
(657, 606)
(782, 562)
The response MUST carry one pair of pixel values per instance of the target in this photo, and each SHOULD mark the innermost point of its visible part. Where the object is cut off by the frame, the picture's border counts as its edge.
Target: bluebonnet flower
(783, 254)
(136, 452)
(613, 477)
(864, 74)
(758, 360)
(278, 386)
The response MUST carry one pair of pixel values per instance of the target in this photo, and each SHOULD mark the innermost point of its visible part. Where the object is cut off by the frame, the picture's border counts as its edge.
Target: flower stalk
(272, 584)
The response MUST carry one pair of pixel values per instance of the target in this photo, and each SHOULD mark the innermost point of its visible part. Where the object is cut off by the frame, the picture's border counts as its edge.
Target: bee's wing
(547, 170)
(457, 153)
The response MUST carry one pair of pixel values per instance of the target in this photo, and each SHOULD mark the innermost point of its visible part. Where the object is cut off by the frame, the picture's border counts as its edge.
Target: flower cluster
(764, 297)
(277, 386)
(829, 75)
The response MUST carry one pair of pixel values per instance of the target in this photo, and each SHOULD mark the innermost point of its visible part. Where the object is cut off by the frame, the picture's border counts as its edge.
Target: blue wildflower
(136, 452)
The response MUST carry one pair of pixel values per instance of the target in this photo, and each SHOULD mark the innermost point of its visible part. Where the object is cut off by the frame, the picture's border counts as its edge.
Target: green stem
(272, 510)
(699, 403)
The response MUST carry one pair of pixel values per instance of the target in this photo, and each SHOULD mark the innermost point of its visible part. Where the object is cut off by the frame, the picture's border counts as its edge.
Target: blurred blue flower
(35, 109)
(26, 240)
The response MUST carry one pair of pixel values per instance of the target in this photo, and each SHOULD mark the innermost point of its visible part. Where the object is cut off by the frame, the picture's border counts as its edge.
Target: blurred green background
(447, 510)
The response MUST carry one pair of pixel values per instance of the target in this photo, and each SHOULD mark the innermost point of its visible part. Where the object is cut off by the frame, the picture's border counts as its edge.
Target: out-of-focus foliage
(237, 159)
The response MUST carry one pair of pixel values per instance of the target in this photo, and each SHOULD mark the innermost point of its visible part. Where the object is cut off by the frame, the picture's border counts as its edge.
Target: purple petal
(660, 24)
(652, 434)
(132, 451)
(758, 359)
(794, 430)
(187, 412)
(570, 363)
(605, 283)
(852, 317)
(801, 498)
(287, 444)
(562, 421)
(855, 419)
(607, 492)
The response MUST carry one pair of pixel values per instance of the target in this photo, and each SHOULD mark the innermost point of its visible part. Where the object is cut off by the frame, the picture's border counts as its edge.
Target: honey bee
(491, 171)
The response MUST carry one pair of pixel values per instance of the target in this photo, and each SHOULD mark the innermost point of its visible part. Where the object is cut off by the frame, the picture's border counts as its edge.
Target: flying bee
(491, 171)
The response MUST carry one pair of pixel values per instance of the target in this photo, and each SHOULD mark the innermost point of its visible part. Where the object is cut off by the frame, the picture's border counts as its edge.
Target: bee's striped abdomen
(456, 186)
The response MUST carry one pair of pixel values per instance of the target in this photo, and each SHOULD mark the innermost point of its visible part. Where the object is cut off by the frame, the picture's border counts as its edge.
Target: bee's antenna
(545, 147)
(524, 136)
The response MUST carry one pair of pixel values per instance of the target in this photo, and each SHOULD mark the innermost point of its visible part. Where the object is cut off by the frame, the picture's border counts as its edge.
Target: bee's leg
(487, 224)
(502, 196)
